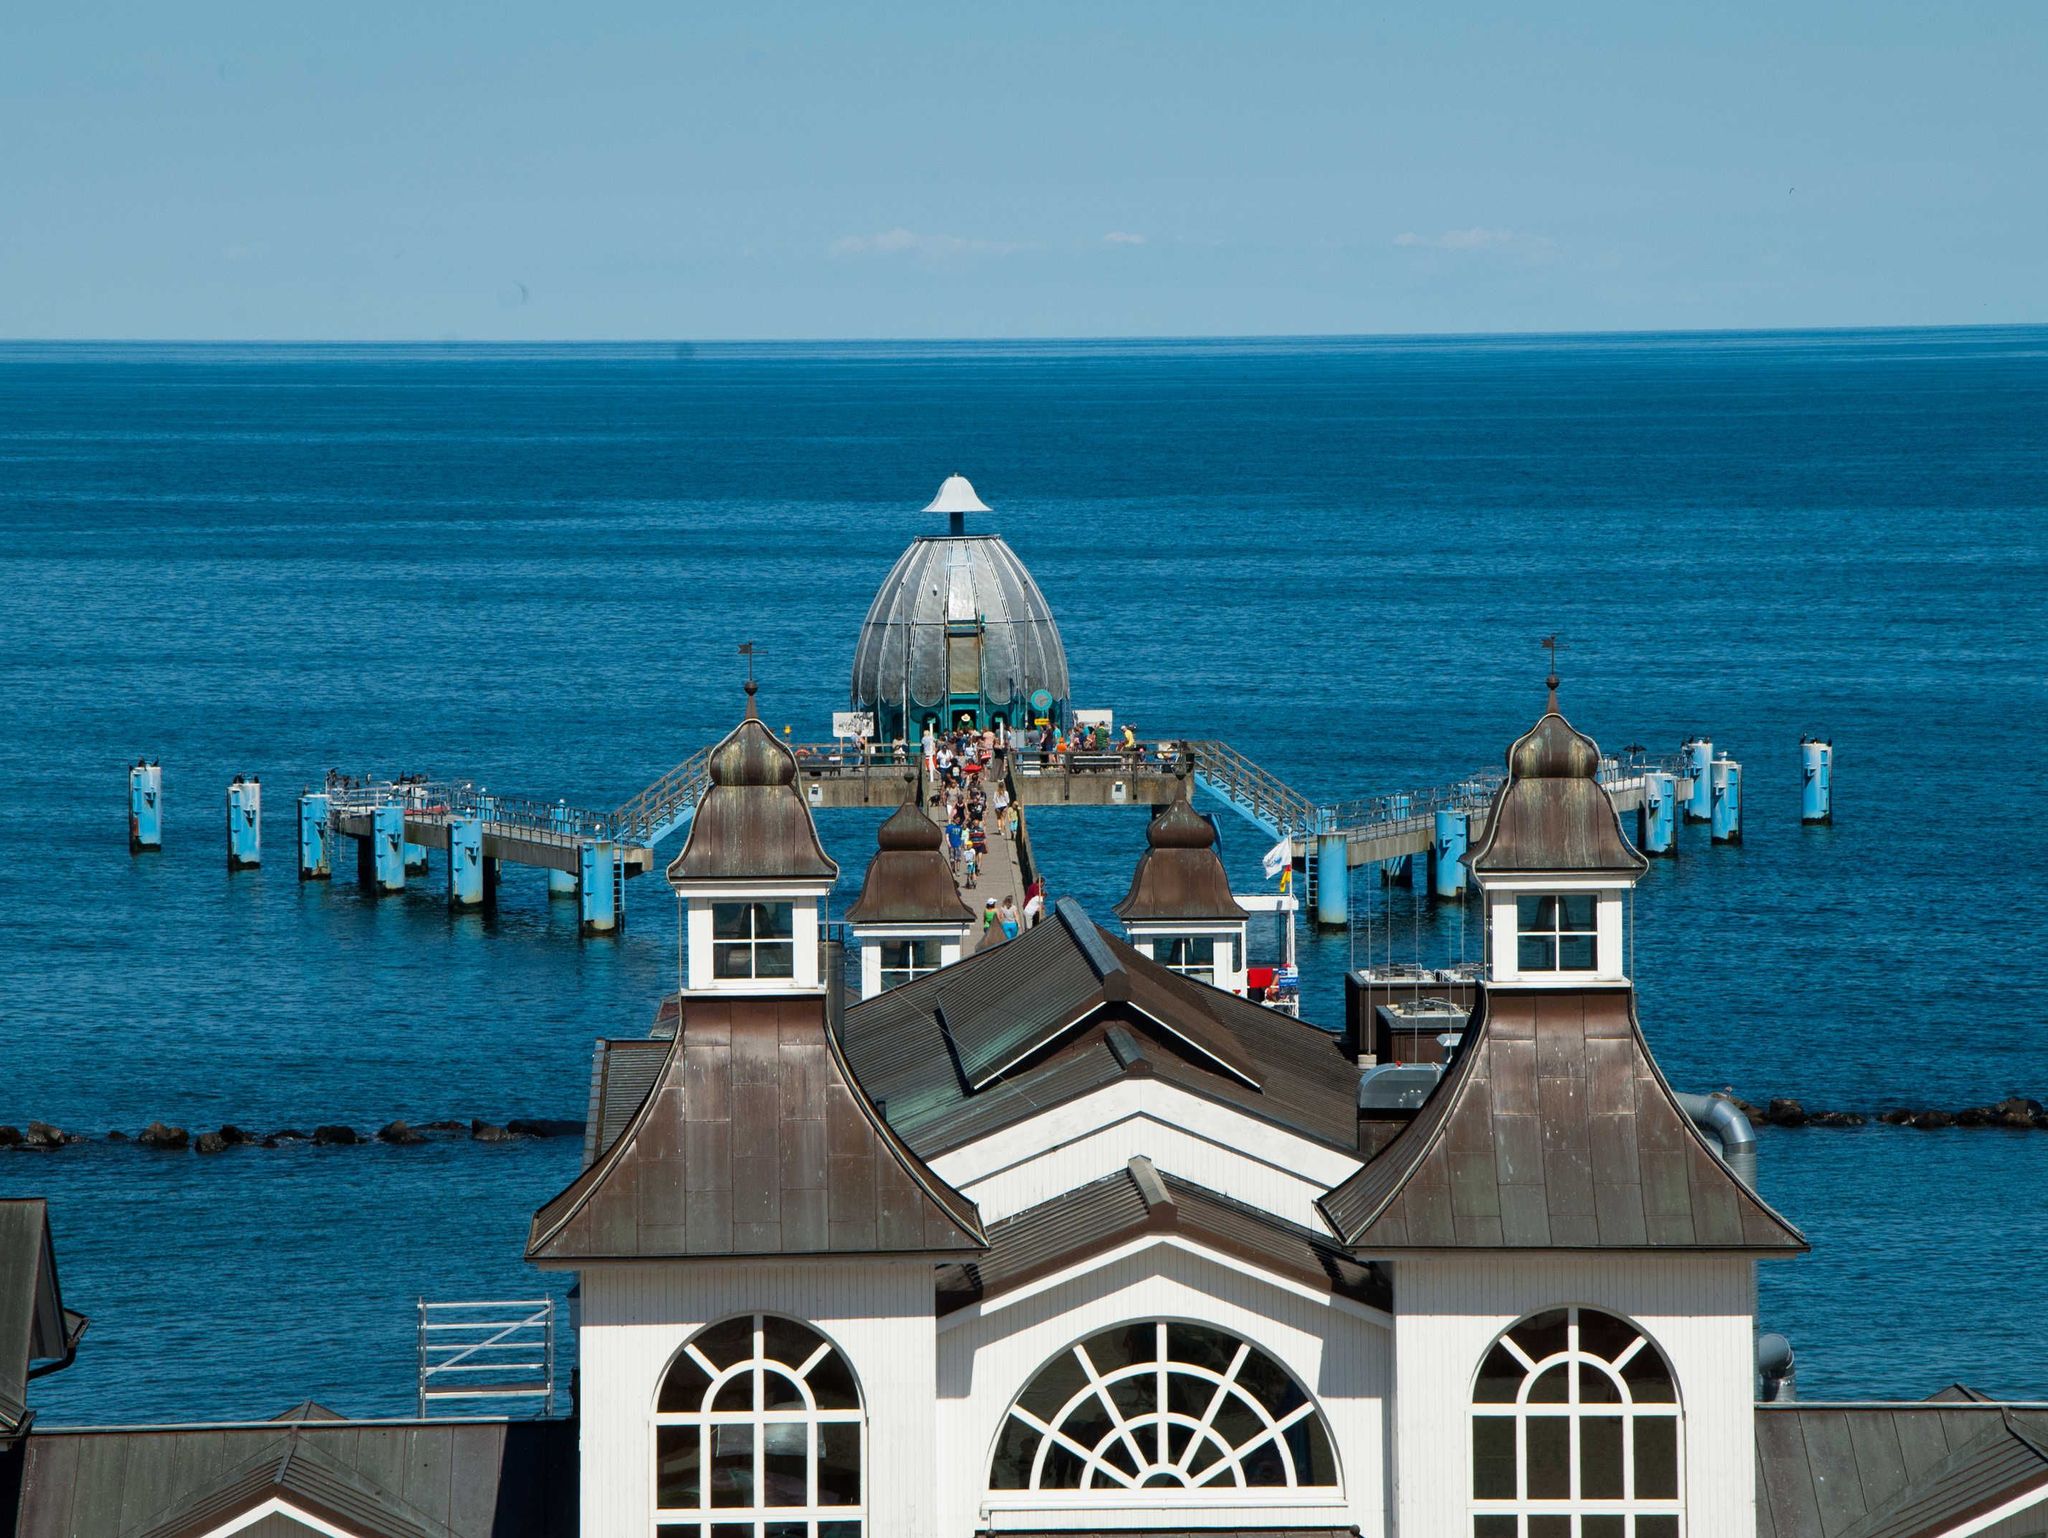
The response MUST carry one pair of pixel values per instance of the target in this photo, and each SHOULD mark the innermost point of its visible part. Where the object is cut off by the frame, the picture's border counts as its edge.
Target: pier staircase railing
(497, 1350)
(527, 817)
(667, 804)
(1250, 791)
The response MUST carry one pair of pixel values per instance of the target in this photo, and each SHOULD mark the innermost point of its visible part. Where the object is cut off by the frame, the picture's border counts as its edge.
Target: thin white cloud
(1122, 238)
(928, 248)
(1477, 238)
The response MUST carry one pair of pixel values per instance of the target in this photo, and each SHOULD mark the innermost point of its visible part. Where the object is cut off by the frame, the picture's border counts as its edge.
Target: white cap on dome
(956, 495)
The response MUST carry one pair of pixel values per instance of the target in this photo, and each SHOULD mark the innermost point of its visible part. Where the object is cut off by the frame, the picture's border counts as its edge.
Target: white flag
(1279, 857)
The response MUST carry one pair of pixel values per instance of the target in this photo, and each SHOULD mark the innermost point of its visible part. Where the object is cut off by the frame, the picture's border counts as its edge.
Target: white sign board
(1102, 718)
(1279, 857)
(853, 723)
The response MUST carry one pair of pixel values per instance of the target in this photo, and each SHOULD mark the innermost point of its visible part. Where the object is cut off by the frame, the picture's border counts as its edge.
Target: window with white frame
(1575, 1432)
(1556, 932)
(903, 960)
(1158, 1406)
(758, 1434)
(1194, 956)
(753, 940)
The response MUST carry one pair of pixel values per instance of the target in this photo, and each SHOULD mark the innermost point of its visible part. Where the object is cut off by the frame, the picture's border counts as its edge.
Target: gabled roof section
(38, 1334)
(1180, 876)
(756, 1139)
(910, 880)
(752, 823)
(1553, 1130)
(995, 1018)
(1552, 815)
(1001, 1035)
(1137, 1201)
(304, 1474)
(1913, 1470)
(468, 1478)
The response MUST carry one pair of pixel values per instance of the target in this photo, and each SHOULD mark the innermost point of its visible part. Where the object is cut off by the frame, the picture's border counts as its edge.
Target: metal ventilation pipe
(1717, 1116)
(1776, 1372)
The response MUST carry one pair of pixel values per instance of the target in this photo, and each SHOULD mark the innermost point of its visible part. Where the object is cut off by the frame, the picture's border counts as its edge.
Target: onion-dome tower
(959, 634)
(1179, 909)
(909, 919)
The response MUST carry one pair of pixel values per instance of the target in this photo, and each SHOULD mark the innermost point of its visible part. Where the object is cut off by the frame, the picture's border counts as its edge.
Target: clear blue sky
(562, 170)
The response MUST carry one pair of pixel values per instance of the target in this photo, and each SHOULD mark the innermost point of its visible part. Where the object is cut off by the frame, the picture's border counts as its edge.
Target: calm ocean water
(532, 567)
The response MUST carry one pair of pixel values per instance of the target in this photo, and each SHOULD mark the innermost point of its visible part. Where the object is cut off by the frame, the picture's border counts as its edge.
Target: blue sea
(533, 566)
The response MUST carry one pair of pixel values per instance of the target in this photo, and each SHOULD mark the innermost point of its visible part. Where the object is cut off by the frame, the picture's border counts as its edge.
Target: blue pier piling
(466, 861)
(415, 854)
(245, 823)
(562, 883)
(1699, 756)
(145, 808)
(1453, 836)
(387, 848)
(316, 855)
(1817, 790)
(1726, 788)
(1657, 818)
(1333, 881)
(598, 904)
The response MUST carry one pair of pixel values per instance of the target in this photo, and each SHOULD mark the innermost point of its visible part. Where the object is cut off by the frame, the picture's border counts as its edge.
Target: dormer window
(1197, 956)
(905, 960)
(753, 940)
(1556, 932)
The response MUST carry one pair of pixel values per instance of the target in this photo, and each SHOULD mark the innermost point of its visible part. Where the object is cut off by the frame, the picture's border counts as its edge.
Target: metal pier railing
(503, 1349)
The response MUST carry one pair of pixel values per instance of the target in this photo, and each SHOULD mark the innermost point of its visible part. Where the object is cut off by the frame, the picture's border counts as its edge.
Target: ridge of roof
(1553, 1129)
(1992, 1468)
(777, 1096)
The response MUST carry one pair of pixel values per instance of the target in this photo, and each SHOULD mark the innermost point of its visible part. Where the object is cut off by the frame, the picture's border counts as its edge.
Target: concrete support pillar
(387, 848)
(1699, 754)
(1333, 881)
(1452, 839)
(1725, 780)
(1657, 818)
(145, 808)
(466, 862)
(245, 823)
(598, 880)
(1817, 790)
(316, 855)
(562, 883)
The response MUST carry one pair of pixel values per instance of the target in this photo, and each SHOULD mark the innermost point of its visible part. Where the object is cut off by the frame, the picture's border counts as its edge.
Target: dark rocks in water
(485, 1132)
(157, 1135)
(399, 1132)
(1932, 1121)
(44, 1136)
(335, 1136)
(1898, 1117)
(210, 1143)
(544, 1126)
(284, 1135)
(445, 1126)
(1836, 1119)
(1785, 1112)
(1754, 1112)
(10, 1137)
(233, 1136)
(2019, 1111)
(1975, 1116)
(117, 1136)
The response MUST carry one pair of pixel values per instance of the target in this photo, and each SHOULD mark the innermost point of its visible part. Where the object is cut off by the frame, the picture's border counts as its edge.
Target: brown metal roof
(448, 1479)
(910, 880)
(1553, 1129)
(1892, 1470)
(752, 824)
(1001, 1035)
(1139, 1200)
(37, 1332)
(622, 1076)
(755, 1140)
(1552, 814)
(1180, 876)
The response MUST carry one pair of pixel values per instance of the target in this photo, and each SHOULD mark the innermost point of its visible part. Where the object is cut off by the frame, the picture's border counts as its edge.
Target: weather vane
(1553, 644)
(747, 651)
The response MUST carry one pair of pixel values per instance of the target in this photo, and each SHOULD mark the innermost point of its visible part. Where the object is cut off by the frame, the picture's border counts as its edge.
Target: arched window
(1575, 1432)
(1162, 1405)
(758, 1434)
